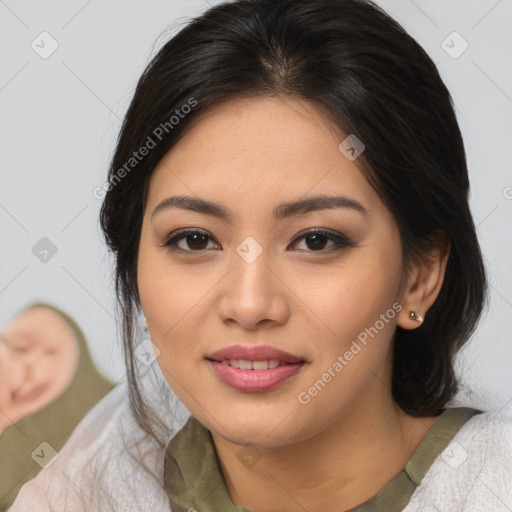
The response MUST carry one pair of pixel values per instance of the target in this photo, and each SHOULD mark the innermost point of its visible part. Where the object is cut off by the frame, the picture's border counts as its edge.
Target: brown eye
(316, 241)
(188, 241)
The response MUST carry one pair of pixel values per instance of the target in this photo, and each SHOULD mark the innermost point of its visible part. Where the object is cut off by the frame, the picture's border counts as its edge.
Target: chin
(252, 427)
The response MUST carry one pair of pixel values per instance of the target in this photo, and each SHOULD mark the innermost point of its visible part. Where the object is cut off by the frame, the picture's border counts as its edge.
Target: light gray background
(59, 118)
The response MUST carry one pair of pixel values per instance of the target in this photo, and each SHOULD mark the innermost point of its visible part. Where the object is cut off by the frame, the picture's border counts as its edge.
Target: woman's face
(38, 358)
(253, 278)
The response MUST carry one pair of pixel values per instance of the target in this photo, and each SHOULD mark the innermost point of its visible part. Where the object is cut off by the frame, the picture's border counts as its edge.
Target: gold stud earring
(414, 316)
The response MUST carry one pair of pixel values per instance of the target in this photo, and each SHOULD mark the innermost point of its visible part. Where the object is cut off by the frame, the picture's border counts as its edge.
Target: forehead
(249, 147)
(280, 117)
(36, 326)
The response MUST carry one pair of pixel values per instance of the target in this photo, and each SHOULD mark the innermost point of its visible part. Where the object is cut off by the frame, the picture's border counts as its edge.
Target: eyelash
(341, 241)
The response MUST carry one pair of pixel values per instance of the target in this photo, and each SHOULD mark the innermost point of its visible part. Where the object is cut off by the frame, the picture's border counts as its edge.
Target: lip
(31, 394)
(256, 353)
(254, 381)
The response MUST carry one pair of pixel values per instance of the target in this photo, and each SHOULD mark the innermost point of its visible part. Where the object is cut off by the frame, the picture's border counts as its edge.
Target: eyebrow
(15, 345)
(281, 211)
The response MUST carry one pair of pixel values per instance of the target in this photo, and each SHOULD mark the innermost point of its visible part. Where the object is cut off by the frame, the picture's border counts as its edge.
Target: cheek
(358, 293)
(11, 377)
(66, 359)
(356, 305)
(169, 295)
(171, 300)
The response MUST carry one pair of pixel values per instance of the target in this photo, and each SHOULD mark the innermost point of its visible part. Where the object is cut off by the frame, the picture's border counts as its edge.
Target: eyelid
(13, 347)
(328, 233)
(340, 240)
(170, 240)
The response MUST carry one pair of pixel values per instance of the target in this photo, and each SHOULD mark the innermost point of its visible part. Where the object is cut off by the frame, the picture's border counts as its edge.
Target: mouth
(254, 369)
(247, 364)
(29, 395)
(239, 356)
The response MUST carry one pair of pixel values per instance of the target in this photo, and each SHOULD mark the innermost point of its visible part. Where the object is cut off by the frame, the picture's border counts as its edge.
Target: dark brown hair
(371, 79)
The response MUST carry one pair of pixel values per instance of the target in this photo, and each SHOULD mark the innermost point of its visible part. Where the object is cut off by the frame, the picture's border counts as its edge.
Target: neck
(345, 464)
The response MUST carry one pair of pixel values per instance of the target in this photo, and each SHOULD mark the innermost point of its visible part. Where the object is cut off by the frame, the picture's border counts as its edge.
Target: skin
(38, 358)
(351, 438)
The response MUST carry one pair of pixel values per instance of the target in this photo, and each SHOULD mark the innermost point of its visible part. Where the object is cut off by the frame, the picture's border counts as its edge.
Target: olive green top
(22, 454)
(193, 479)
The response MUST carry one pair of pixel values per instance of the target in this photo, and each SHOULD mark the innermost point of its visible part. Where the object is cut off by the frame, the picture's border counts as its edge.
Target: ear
(424, 282)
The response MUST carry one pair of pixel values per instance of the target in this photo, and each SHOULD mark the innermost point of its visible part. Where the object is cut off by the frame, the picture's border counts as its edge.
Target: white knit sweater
(110, 465)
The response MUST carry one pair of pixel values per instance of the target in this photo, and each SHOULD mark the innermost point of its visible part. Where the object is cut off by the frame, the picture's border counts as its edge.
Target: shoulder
(108, 463)
(474, 472)
(488, 428)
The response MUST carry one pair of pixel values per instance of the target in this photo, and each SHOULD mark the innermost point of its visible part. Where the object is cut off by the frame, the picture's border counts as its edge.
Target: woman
(48, 382)
(288, 207)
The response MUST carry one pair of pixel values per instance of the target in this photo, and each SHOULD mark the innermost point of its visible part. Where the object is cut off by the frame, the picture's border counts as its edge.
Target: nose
(252, 294)
(31, 369)
(12, 371)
